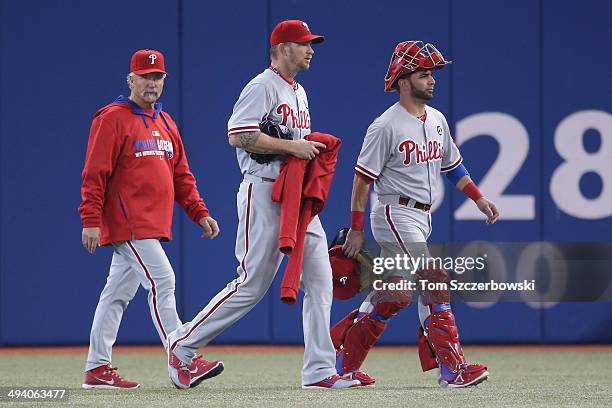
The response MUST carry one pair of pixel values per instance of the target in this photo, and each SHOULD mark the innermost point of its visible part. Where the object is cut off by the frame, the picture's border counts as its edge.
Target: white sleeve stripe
(366, 172)
(242, 129)
(452, 166)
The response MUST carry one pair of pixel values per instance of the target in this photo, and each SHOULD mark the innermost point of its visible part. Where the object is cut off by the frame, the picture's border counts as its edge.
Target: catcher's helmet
(344, 270)
(344, 274)
(411, 56)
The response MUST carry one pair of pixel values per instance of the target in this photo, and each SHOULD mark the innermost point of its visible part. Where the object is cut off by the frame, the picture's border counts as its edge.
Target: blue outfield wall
(527, 97)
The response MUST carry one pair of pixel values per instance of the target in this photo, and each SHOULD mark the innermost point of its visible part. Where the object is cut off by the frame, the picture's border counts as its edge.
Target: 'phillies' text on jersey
(301, 121)
(432, 151)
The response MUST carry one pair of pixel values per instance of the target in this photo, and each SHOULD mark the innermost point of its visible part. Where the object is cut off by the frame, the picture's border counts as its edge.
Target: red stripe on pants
(397, 235)
(153, 289)
(230, 294)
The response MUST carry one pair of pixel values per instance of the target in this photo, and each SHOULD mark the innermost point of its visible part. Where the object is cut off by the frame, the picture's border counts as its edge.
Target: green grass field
(519, 378)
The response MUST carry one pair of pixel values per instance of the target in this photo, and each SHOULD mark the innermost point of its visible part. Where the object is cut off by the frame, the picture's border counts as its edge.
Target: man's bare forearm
(247, 139)
(257, 142)
(463, 181)
(360, 194)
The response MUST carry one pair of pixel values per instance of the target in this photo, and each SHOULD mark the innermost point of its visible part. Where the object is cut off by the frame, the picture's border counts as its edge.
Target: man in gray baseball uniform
(403, 151)
(275, 96)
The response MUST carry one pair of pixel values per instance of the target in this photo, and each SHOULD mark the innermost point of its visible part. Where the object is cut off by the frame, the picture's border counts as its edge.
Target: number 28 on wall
(513, 141)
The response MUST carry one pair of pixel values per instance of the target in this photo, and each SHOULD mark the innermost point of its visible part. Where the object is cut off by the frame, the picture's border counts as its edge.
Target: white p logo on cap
(343, 280)
(152, 57)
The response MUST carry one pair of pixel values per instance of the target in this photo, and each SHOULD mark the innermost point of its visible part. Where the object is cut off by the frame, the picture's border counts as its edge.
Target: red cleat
(200, 370)
(335, 381)
(178, 371)
(468, 375)
(365, 380)
(106, 377)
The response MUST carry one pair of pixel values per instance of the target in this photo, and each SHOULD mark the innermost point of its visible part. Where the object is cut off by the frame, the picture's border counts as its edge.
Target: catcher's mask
(411, 56)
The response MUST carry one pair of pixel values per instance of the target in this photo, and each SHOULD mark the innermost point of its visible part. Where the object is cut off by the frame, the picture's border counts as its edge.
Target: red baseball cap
(344, 273)
(293, 31)
(146, 61)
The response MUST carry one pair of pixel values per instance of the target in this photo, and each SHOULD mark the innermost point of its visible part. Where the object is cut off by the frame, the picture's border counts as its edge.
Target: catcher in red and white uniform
(404, 150)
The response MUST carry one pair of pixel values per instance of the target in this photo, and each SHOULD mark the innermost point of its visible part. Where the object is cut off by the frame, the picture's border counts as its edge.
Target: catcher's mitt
(273, 130)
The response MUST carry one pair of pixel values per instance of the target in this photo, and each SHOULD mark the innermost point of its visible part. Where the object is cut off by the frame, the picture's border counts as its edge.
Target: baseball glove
(273, 130)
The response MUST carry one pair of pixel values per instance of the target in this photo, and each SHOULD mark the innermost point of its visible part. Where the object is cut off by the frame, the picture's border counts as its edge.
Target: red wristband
(357, 220)
(472, 191)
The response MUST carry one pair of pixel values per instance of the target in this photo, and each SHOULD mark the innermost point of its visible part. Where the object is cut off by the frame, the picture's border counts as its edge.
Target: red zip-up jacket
(135, 168)
(302, 188)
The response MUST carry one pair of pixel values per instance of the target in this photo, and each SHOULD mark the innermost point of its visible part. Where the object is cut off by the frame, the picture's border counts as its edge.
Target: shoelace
(112, 371)
(198, 360)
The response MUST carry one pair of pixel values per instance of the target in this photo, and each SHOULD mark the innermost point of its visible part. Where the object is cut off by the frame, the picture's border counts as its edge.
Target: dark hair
(405, 76)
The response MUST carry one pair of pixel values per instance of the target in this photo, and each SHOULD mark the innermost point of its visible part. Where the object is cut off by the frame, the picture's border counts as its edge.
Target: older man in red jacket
(135, 169)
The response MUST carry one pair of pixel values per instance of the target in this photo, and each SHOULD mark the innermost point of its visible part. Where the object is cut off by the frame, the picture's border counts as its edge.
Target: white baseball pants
(136, 262)
(258, 261)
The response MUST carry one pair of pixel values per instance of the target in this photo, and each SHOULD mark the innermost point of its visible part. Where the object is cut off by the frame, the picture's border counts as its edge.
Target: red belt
(419, 206)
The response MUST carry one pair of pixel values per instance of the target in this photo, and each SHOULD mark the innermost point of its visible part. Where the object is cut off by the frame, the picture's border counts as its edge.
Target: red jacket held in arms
(302, 188)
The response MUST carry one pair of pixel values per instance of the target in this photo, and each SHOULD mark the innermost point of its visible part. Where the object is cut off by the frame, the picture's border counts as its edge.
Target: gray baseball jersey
(269, 95)
(403, 154)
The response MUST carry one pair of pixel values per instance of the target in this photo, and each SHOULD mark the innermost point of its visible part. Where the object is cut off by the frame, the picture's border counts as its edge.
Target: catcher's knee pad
(388, 303)
(338, 331)
(358, 340)
(443, 338)
(388, 309)
(432, 276)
